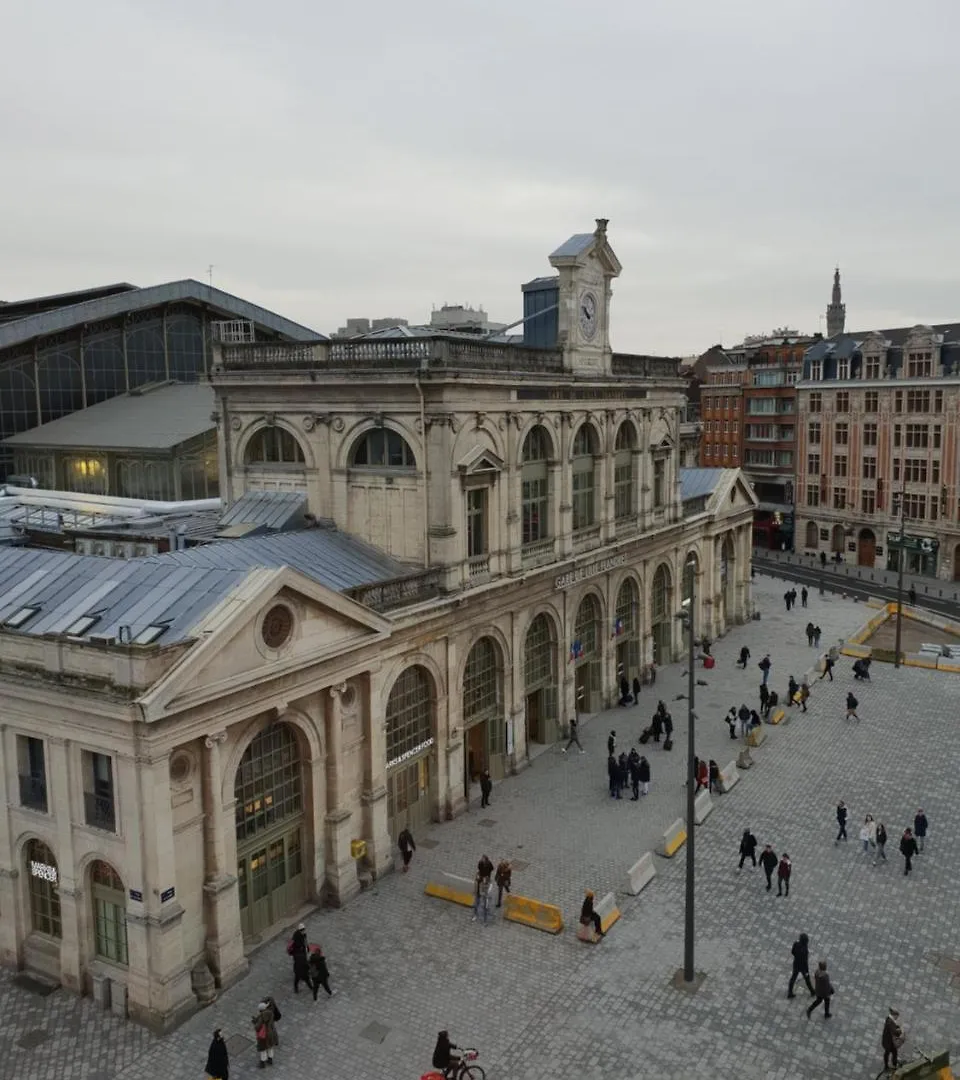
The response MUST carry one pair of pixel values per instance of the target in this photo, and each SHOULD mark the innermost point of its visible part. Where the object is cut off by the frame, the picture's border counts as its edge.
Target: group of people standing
(631, 769)
(484, 882)
(873, 836)
(768, 862)
(790, 598)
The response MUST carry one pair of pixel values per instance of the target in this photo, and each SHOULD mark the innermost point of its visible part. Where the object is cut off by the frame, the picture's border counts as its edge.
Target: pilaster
(9, 869)
(376, 829)
(342, 881)
(62, 799)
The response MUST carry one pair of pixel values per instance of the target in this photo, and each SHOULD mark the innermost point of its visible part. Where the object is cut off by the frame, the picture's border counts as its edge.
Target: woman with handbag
(265, 1026)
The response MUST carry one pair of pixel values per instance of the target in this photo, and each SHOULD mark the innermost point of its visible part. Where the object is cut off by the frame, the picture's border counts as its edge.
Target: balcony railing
(538, 552)
(399, 592)
(33, 793)
(478, 566)
(586, 538)
(648, 367)
(99, 811)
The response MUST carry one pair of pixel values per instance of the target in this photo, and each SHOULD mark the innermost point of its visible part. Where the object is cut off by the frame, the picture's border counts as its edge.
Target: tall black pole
(688, 973)
(896, 646)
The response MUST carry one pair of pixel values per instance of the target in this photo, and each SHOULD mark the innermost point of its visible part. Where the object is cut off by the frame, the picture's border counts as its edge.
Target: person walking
(636, 690)
(748, 849)
(667, 729)
(764, 666)
(804, 693)
(920, 824)
(810, 634)
(633, 765)
(868, 833)
(486, 786)
(588, 916)
(503, 878)
(764, 697)
(786, 599)
(841, 821)
(407, 846)
(912, 596)
(823, 991)
(574, 734)
(881, 843)
(823, 559)
(656, 726)
(613, 775)
(892, 1039)
(612, 743)
(827, 668)
(772, 702)
(265, 1028)
(218, 1060)
(744, 657)
(703, 777)
(319, 972)
(793, 692)
(908, 848)
(714, 777)
(625, 698)
(784, 868)
(803, 596)
(482, 888)
(768, 863)
(801, 965)
(852, 704)
(298, 950)
(816, 636)
(731, 721)
(643, 771)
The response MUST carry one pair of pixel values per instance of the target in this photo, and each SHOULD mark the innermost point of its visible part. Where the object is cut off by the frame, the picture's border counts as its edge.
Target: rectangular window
(839, 498)
(759, 457)
(870, 434)
(784, 458)
(915, 506)
(843, 401)
(918, 401)
(935, 471)
(915, 471)
(936, 436)
(916, 436)
(871, 401)
(898, 401)
(897, 434)
(761, 406)
(840, 465)
(869, 468)
(623, 490)
(938, 401)
(816, 402)
(841, 434)
(896, 468)
(476, 522)
(868, 502)
(919, 365)
(98, 800)
(871, 368)
(583, 501)
(536, 525)
(813, 495)
(813, 464)
(659, 481)
(843, 368)
(725, 451)
(813, 432)
(32, 773)
(816, 370)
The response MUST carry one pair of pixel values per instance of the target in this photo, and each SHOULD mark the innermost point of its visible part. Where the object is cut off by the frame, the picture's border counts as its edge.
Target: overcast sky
(375, 159)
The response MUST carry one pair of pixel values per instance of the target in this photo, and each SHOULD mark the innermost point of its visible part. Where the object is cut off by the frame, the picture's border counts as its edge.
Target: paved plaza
(539, 1006)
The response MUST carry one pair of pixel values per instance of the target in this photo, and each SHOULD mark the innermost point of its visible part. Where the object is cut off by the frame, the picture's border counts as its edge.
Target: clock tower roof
(580, 246)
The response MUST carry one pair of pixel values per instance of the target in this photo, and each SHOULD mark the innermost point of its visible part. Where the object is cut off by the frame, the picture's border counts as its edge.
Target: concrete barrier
(609, 913)
(674, 838)
(641, 874)
(521, 909)
(778, 717)
(729, 777)
(452, 893)
(756, 737)
(744, 760)
(702, 805)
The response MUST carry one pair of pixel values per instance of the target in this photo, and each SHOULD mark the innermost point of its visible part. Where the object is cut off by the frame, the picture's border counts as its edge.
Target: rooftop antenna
(210, 274)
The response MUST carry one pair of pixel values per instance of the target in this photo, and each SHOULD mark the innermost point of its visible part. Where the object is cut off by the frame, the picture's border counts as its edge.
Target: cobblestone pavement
(539, 1006)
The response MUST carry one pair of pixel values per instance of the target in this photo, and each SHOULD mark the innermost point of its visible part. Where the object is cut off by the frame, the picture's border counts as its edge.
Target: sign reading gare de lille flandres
(589, 570)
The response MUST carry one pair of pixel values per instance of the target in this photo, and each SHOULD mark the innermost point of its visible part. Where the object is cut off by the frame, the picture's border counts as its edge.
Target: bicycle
(463, 1070)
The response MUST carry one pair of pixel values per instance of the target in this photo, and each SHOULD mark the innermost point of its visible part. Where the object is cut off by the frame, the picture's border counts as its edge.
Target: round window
(181, 765)
(277, 626)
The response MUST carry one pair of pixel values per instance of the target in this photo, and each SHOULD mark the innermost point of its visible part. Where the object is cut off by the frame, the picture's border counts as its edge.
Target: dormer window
(843, 368)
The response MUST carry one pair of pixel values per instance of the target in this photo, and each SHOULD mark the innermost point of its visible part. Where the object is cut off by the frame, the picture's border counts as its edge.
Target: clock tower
(586, 265)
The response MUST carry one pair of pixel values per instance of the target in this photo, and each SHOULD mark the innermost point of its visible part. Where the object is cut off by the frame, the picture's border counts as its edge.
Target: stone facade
(219, 785)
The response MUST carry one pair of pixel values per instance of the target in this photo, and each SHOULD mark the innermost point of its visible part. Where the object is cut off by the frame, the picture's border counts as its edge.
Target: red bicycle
(465, 1069)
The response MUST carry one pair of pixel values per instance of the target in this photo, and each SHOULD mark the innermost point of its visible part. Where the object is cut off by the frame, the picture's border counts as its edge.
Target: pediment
(239, 648)
(664, 446)
(480, 461)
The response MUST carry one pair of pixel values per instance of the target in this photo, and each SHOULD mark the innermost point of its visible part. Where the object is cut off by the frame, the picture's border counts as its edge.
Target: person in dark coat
(744, 657)
(731, 721)
(643, 771)
(624, 690)
(218, 1060)
(486, 786)
(768, 862)
(636, 690)
(714, 777)
(764, 666)
(588, 916)
(298, 950)
(912, 596)
(801, 965)
(407, 847)
(656, 726)
(755, 720)
(822, 989)
(803, 596)
(764, 696)
(484, 867)
(633, 764)
(319, 972)
(841, 821)
(703, 777)
(891, 1040)
(667, 725)
(613, 775)
(443, 1056)
(265, 1028)
(793, 688)
(503, 878)
(748, 849)
(827, 667)
(772, 702)
(920, 825)
(784, 867)
(611, 743)
(624, 768)
(852, 704)
(908, 848)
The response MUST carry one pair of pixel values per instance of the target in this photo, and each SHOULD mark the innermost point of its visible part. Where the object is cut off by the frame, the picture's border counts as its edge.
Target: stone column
(224, 941)
(517, 716)
(10, 924)
(451, 745)
(376, 829)
(561, 484)
(341, 881)
(61, 804)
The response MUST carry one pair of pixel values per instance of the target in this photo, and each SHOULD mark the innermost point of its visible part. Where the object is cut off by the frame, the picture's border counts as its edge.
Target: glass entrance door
(408, 796)
(270, 882)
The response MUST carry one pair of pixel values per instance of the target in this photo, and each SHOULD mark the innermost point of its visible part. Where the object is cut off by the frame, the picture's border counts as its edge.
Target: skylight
(80, 626)
(149, 634)
(18, 618)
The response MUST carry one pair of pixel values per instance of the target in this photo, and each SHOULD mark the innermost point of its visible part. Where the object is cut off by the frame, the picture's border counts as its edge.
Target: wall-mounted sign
(588, 570)
(168, 894)
(412, 752)
(136, 894)
(44, 872)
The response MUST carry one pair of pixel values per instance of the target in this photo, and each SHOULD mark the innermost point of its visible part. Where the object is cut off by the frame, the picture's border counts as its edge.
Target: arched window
(539, 652)
(109, 913)
(837, 539)
(660, 597)
(628, 608)
(409, 714)
(586, 629)
(813, 536)
(382, 448)
(535, 486)
(268, 786)
(624, 488)
(274, 446)
(481, 680)
(44, 889)
(584, 478)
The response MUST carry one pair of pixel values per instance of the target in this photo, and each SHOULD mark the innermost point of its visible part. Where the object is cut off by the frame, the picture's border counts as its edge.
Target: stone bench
(609, 913)
(702, 806)
(674, 837)
(729, 777)
(641, 874)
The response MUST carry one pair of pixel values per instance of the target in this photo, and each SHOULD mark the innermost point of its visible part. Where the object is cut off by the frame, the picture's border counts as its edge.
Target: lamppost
(687, 615)
(899, 509)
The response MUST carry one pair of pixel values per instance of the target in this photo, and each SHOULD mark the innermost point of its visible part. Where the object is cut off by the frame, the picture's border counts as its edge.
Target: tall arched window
(44, 878)
(660, 598)
(382, 448)
(813, 536)
(273, 446)
(586, 629)
(483, 692)
(109, 913)
(626, 628)
(624, 487)
(409, 714)
(535, 486)
(661, 618)
(836, 542)
(584, 478)
(268, 785)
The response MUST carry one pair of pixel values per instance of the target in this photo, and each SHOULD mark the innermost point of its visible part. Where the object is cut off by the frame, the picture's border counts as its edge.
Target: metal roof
(19, 331)
(334, 559)
(155, 418)
(576, 245)
(85, 596)
(273, 510)
(695, 483)
(33, 305)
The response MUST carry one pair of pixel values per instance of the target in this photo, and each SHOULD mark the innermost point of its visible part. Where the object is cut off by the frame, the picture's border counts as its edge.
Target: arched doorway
(626, 630)
(661, 616)
(836, 539)
(691, 568)
(410, 740)
(540, 680)
(812, 538)
(956, 563)
(585, 653)
(271, 829)
(43, 888)
(484, 726)
(109, 911)
(866, 548)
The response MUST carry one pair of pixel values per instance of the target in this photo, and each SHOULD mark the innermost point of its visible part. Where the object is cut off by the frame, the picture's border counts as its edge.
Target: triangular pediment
(276, 624)
(665, 445)
(582, 248)
(479, 461)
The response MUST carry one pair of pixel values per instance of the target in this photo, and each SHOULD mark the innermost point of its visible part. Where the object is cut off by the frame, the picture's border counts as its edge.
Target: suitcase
(668, 743)
(644, 736)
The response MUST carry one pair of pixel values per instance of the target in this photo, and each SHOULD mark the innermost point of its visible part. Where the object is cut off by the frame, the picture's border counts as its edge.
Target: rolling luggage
(668, 743)
(644, 736)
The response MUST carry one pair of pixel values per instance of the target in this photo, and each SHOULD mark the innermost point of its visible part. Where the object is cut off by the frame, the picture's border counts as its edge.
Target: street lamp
(687, 615)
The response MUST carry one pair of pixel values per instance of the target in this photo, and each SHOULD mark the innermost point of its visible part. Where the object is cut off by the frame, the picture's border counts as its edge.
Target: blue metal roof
(58, 320)
(696, 483)
(576, 245)
(266, 510)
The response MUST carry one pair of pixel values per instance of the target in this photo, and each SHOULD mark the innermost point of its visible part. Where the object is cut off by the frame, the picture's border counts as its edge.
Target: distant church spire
(836, 311)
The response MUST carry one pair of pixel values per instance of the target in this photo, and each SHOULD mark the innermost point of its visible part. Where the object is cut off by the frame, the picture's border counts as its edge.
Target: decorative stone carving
(236, 423)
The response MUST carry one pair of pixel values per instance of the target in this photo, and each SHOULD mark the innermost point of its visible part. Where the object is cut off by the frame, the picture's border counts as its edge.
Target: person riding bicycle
(443, 1058)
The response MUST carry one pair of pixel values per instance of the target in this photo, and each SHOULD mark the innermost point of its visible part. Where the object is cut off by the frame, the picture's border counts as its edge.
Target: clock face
(588, 315)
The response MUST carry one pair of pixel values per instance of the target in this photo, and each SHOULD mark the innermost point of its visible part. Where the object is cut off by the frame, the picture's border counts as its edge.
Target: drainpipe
(426, 478)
